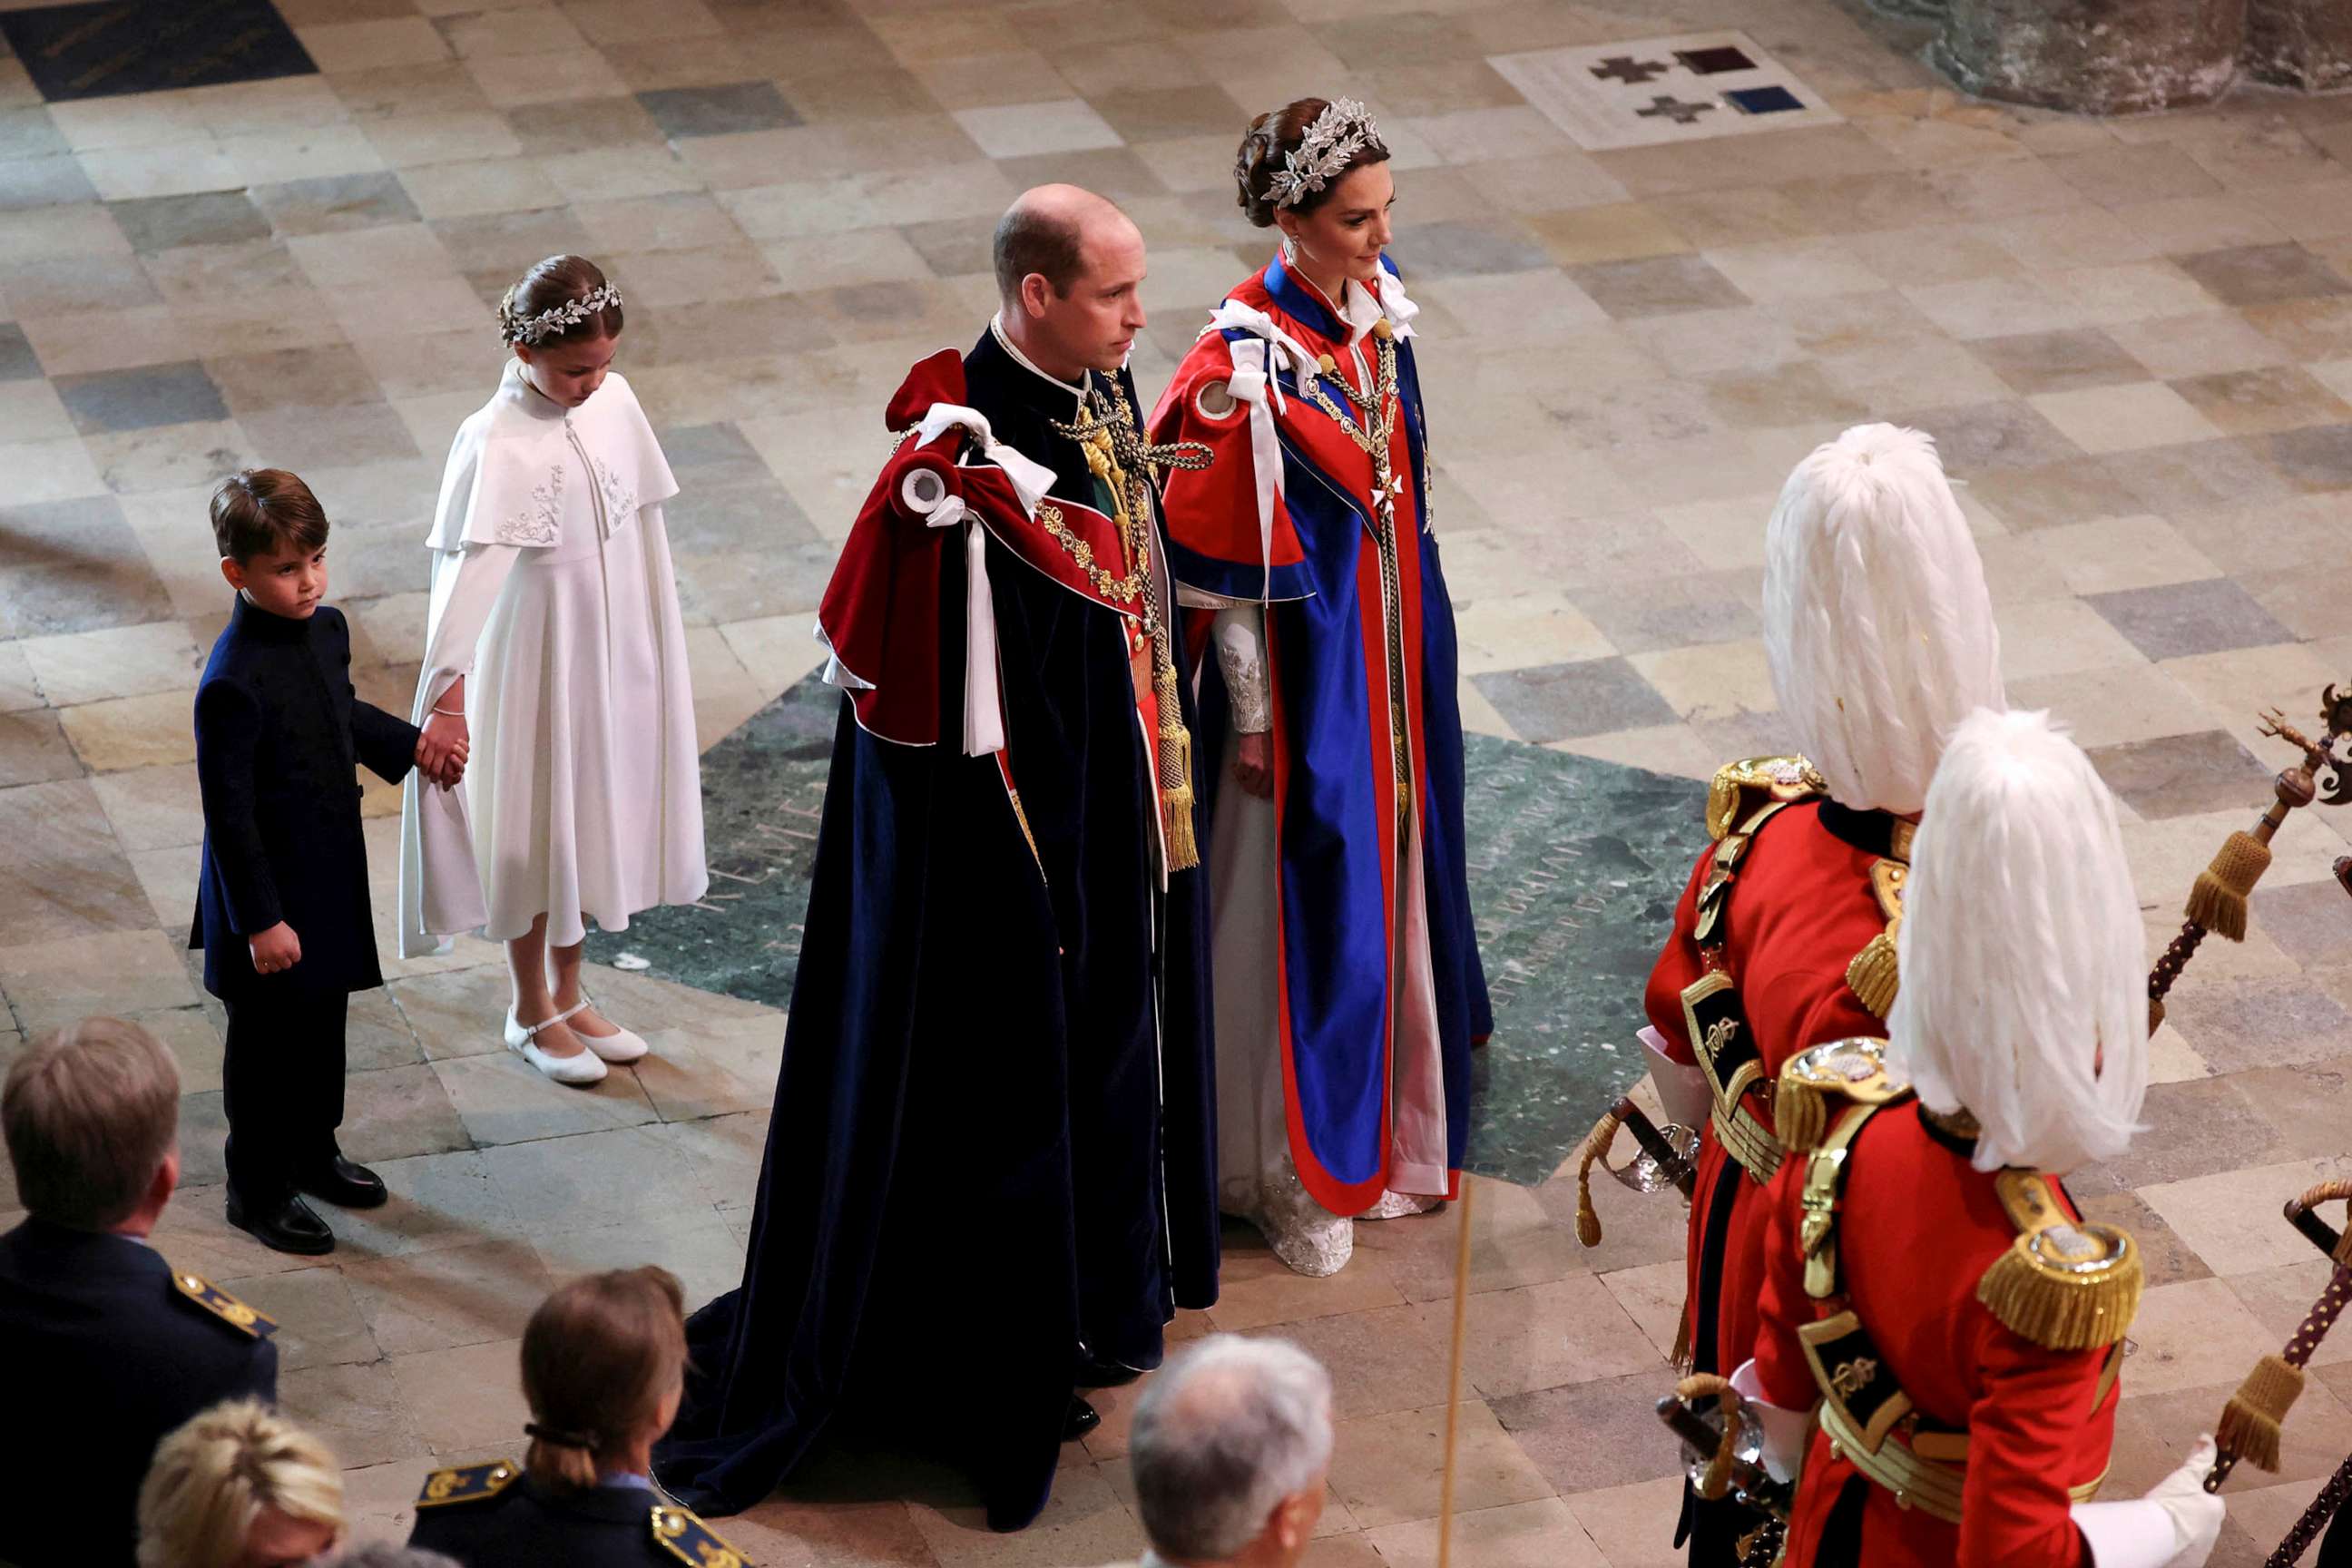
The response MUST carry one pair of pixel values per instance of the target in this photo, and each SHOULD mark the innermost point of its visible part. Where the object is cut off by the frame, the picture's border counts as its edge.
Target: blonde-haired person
(108, 1345)
(1924, 1254)
(604, 1364)
(239, 1487)
(1880, 638)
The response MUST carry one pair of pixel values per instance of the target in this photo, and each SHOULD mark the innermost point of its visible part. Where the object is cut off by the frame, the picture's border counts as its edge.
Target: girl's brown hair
(598, 1357)
(557, 281)
(1268, 142)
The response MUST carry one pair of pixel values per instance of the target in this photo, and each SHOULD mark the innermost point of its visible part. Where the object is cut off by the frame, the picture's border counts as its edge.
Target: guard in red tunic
(1880, 638)
(1931, 1292)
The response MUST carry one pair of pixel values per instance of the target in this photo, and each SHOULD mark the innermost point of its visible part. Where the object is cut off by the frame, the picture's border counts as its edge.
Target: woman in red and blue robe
(1347, 986)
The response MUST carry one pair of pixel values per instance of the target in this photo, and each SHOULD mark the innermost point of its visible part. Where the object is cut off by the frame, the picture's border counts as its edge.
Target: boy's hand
(276, 949)
(441, 749)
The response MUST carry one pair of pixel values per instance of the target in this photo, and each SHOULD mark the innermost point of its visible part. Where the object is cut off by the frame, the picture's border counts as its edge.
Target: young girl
(554, 636)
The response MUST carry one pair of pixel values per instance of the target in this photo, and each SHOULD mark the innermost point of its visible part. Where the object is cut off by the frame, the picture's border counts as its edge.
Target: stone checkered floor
(2134, 341)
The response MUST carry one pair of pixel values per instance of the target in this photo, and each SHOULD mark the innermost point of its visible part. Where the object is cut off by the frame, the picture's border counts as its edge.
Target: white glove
(1786, 1431)
(2174, 1526)
(1682, 1088)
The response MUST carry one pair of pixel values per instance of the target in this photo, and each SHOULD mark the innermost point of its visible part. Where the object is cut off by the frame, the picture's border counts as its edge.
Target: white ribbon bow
(1031, 480)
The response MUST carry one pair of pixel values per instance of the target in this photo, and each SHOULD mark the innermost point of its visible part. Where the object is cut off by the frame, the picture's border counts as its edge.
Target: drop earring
(1289, 251)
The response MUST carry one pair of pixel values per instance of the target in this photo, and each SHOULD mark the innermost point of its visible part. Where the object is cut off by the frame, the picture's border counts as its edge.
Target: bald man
(990, 1178)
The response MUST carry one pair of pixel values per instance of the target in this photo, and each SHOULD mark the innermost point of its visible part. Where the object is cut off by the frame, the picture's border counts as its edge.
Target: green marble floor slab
(1574, 867)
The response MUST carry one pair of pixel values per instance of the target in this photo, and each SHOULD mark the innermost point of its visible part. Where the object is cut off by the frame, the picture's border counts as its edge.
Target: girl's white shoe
(579, 1071)
(621, 1046)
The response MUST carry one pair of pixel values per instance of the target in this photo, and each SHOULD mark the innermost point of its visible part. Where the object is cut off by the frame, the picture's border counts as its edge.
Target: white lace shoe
(523, 1040)
(1396, 1206)
(621, 1046)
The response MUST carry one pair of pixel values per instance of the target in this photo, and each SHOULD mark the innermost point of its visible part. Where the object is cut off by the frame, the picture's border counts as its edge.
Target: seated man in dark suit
(109, 1348)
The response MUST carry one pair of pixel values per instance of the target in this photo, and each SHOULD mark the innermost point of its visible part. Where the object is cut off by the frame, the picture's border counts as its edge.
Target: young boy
(282, 895)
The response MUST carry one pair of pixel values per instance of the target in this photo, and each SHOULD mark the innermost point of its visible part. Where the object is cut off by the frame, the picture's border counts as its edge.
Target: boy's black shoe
(1093, 1373)
(1082, 1419)
(286, 1225)
(343, 1182)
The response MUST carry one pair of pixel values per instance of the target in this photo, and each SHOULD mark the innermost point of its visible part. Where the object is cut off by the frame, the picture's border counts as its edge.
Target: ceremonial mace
(2250, 1423)
(2218, 901)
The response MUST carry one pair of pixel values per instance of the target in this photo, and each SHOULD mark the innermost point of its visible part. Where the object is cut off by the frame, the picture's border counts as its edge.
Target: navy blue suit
(514, 1521)
(106, 1355)
(279, 732)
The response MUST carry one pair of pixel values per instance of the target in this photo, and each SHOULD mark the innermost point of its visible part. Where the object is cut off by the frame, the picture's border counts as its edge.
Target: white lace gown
(553, 597)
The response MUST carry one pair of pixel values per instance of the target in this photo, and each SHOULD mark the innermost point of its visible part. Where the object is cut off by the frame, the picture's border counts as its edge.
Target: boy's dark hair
(262, 510)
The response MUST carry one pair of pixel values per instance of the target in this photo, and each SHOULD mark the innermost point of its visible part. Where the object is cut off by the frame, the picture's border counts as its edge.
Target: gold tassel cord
(2060, 1310)
(1873, 975)
(1715, 1480)
(2250, 1423)
(1801, 1115)
(1595, 1151)
(2218, 901)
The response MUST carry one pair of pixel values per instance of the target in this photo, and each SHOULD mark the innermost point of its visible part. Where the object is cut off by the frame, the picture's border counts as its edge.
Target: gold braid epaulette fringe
(2066, 1285)
(1819, 1082)
(1875, 974)
(1105, 438)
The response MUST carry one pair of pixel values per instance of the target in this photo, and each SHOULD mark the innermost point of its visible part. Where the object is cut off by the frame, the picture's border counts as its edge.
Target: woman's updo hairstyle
(1267, 147)
(558, 284)
(598, 1358)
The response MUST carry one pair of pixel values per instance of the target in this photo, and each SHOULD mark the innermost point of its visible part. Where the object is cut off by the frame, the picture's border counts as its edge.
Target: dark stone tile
(952, 247)
(2237, 1024)
(684, 111)
(2194, 1128)
(2311, 922)
(1656, 286)
(376, 1036)
(302, 378)
(582, 125)
(335, 204)
(55, 179)
(141, 398)
(1647, 615)
(2167, 1259)
(1993, 436)
(1456, 249)
(2319, 458)
(2307, 1104)
(214, 217)
(728, 497)
(2048, 497)
(61, 285)
(2227, 475)
(2178, 619)
(1162, 113)
(1587, 1435)
(2273, 397)
(113, 47)
(18, 361)
(1781, 397)
(1583, 697)
(395, 1112)
(2262, 274)
(732, 584)
(509, 242)
(2058, 362)
(74, 566)
(2181, 775)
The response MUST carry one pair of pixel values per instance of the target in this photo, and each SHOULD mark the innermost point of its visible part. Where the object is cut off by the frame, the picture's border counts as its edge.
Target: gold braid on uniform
(2064, 1284)
(1107, 435)
(1819, 1082)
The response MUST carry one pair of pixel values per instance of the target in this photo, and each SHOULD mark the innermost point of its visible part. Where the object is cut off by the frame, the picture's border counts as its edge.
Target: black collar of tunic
(1871, 832)
(249, 619)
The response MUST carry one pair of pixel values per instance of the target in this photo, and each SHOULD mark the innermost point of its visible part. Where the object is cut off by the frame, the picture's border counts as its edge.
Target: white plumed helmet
(1876, 623)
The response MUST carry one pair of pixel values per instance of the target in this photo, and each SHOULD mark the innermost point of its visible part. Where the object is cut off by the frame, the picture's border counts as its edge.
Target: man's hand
(275, 950)
(1254, 764)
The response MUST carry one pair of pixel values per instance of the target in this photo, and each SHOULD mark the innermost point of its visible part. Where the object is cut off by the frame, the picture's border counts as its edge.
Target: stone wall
(2096, 57)
(2304, 43)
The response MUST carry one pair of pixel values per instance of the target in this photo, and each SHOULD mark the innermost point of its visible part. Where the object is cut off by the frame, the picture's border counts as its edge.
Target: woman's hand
(1254, 764)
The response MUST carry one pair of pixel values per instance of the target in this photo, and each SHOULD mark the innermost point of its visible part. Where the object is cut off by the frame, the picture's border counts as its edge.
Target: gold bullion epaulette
(1873, 973)
(468, 1483)
(1820, 1081)
(222, 1305)
(2065, 1284)
(1742, 789)
(688, 1539)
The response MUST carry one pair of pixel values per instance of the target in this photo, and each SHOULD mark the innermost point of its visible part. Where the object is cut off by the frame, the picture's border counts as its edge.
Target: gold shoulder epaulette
(1818, 1080)
(690, 1540)
(468, 1483)
(1873, 975)
(222, 1305)
(2065, 1284)
(1741, 788)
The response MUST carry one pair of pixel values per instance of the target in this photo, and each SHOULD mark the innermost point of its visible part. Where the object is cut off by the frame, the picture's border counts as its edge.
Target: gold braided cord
(1118, 589)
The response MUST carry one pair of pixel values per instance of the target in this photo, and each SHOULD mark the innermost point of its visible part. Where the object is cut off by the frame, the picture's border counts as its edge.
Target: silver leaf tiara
(560, 319)
(1344, 129)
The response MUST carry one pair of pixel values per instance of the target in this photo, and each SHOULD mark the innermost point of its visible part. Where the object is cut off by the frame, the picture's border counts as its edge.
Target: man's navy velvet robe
(994, 1146)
